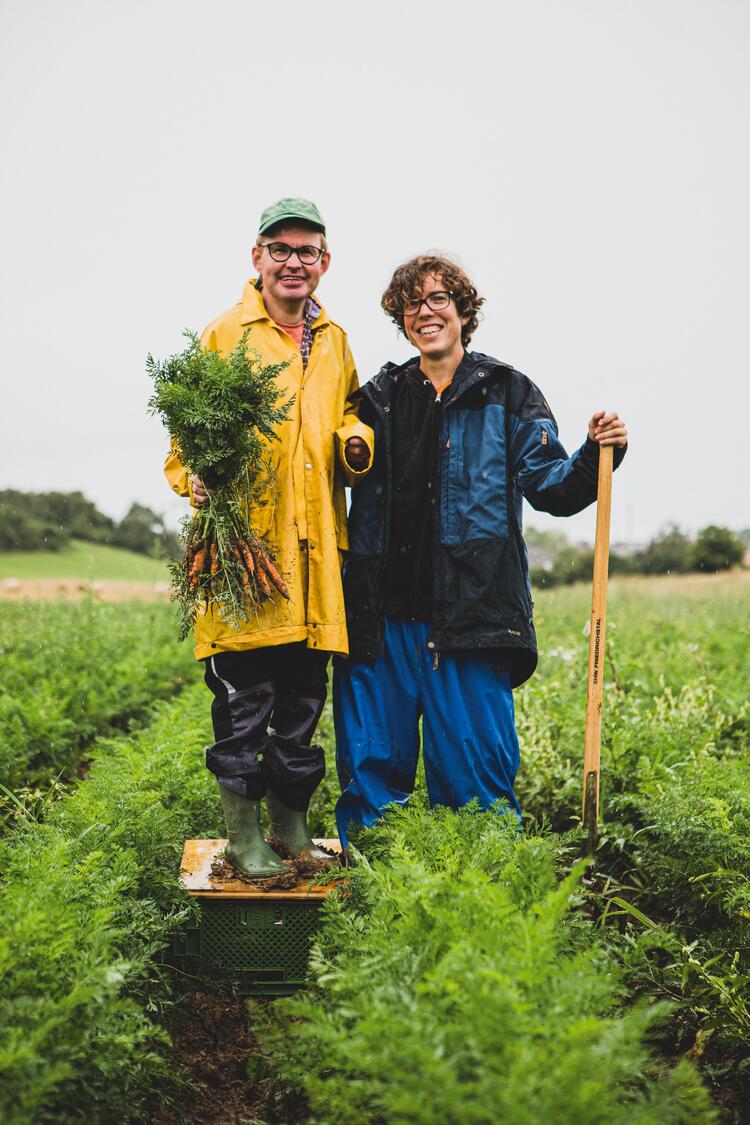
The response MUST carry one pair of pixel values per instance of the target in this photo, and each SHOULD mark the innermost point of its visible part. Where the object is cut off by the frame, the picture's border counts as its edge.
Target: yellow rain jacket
(305, 517)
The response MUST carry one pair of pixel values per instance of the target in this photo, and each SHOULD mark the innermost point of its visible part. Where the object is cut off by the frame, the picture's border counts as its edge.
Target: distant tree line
(48, 521)
(670, 552)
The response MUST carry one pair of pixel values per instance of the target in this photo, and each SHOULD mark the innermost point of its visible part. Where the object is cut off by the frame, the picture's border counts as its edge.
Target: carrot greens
(222, 412)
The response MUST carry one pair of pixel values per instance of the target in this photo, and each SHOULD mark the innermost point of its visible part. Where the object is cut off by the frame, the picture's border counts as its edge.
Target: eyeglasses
(439, 299)
(280, 252)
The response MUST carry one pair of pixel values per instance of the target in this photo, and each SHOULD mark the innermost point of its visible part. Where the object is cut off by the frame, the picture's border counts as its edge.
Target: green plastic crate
(263, 946)
(261, 942)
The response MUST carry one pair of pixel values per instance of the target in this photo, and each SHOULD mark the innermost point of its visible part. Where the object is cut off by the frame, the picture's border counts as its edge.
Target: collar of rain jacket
(473, 368)
(253, 307)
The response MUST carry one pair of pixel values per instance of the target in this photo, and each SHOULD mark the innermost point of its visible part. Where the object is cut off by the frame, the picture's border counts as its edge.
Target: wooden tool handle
(597, 640)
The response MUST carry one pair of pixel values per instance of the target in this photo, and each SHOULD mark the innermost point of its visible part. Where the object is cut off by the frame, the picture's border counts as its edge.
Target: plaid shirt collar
(312, 312)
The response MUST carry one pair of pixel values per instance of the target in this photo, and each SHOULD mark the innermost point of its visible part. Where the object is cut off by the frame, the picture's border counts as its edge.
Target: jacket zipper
(434, 640)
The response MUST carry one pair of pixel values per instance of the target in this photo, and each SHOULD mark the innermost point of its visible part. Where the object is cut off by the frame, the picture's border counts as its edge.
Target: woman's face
(436, 332)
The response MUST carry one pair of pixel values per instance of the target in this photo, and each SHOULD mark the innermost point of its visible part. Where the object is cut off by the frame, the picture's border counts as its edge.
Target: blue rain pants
(466, 703)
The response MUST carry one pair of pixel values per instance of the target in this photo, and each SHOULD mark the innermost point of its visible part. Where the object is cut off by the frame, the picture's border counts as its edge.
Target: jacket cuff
(177, 475)
(591, 452)
(360, 430)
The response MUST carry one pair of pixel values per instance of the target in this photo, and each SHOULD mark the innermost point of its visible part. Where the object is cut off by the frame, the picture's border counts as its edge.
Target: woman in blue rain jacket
(436, 581)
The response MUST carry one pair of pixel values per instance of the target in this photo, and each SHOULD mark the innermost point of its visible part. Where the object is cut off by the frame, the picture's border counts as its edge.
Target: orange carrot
(273, 574)
(260, 574)
(214, 559)
(247, 556)
(245, 577)
(197, 567)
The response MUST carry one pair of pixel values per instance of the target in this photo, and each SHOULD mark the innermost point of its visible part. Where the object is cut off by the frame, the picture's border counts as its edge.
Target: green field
(75, 671)
(91, 562)
(470, 973)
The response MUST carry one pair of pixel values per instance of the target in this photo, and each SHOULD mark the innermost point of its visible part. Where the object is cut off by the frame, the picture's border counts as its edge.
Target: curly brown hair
(406, 285)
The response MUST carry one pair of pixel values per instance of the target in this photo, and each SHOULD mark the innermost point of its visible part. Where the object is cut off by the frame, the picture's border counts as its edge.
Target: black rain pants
(267, 703)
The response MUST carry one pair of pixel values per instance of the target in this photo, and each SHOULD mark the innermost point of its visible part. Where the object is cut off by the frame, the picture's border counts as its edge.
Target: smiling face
(436, 332)
(290, 282)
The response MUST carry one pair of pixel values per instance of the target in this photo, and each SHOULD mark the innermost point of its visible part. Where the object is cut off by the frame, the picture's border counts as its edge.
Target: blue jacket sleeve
(550, 480)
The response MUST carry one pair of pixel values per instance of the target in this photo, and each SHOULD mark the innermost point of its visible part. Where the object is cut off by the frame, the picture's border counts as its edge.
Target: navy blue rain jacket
(498, 443)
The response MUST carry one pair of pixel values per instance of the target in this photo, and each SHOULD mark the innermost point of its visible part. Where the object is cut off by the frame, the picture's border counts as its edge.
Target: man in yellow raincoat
(269, 677)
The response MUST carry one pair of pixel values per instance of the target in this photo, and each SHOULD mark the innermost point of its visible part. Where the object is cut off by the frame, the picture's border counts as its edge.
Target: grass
(416, 973)
(469, 974)
(89, 562)
(457, 981)
(675, 787)
(73, 671)
(89, 896)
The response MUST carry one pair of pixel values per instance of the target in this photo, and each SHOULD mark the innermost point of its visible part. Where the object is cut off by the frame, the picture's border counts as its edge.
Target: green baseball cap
(289, 208)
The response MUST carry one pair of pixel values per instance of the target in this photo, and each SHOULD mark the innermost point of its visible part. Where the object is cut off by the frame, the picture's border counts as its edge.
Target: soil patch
(73, 589)
(212, 1042)
(224, 872)
(306, 867)
(218, 1053)
(296, 871)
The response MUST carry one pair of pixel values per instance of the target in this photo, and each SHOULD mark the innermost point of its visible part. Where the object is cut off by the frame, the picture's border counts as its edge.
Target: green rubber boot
(290, 827)
(247, 849)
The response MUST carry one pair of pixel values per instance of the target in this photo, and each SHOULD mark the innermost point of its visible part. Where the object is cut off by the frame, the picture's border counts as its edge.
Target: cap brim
(296, 218)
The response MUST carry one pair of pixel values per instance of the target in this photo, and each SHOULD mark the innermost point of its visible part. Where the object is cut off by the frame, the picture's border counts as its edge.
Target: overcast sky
(587, 162)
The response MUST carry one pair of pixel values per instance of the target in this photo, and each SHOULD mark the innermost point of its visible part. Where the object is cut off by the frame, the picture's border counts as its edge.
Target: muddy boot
(247, 849)
(290, 827)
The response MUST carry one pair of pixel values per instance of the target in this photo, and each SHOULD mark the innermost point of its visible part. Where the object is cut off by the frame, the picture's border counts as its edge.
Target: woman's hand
(607, 428)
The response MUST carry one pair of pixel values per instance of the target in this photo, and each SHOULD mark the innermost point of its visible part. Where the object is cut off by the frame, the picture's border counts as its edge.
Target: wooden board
(198, 880)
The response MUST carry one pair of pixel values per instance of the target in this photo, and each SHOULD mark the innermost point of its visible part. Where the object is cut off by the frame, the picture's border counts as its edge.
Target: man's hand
(199, 490)
(356, 452)
(608, 429)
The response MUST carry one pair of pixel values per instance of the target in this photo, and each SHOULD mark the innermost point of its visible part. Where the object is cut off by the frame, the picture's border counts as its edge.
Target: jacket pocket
(260, 518)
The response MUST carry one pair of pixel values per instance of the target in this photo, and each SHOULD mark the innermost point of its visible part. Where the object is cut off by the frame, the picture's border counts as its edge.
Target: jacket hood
(474, 367)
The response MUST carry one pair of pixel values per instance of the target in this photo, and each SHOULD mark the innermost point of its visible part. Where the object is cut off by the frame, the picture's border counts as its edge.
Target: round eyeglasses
(439, 299)
(280, 252)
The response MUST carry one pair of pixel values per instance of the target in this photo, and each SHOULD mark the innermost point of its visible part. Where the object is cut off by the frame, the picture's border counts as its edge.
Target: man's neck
(441, 369)
(285, 312)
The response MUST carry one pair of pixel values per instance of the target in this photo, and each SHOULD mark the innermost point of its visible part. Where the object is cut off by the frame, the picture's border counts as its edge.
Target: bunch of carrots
(222, 411)
(203, 564)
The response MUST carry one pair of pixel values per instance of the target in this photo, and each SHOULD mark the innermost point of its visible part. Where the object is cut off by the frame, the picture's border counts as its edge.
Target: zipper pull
(436, 661)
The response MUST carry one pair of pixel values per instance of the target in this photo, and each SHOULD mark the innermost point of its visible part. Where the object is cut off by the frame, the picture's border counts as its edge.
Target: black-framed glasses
(439, 299)
(280, 252)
